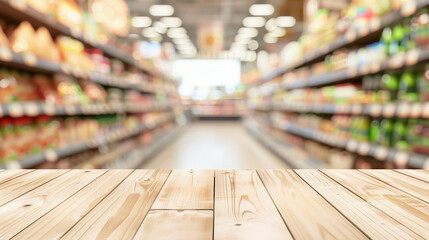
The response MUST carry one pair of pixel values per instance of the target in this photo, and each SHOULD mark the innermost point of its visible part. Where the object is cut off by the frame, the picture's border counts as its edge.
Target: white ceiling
(194, 12)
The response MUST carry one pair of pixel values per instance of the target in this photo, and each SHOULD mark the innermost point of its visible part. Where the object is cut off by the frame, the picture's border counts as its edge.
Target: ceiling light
(157, 38)
(241, 40)
(253, 45)
(133, 36)
(249, 32)
(269, 39)
(182, 40)
(271, 24)
(150, 32)
(160, 27)
(250, 56)
(285, 21)
(254, 21)
(278, 32)
(176, 33)
(172, 22)
(261, 9)
(141, 22)
(161, 10)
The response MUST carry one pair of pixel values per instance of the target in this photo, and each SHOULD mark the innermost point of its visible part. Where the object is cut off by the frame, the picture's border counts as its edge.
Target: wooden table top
(220, 204)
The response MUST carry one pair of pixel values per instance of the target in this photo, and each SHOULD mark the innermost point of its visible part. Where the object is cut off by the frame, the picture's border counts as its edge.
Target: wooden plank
(373, 222)
(57, 222)
(121, 213)
(20, 213)
(408, 184)
(409, 211)
(305, 212)
(416, 173)
(181, 225)
(7, 175)
(243, 208)
(18, 186)
(187, 189)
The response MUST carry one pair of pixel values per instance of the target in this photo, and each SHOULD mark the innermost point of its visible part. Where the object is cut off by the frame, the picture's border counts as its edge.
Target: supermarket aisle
(215, 145)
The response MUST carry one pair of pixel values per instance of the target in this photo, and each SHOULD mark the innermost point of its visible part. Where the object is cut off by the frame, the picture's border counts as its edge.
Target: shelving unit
(272, 83)
(353, 37)
(14, 12)
(55, 154)
(23, 13)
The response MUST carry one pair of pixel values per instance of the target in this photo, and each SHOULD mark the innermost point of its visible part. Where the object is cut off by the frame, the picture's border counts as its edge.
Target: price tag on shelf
(70, 109)
(426, 164)
(351, 145)
(30, 59)
(5, 54)
(401, 159)
(416, 110)
(18, 4)
(350, 35)
(374, 24)
(357, 109)
(49, 109)
(425, 112)
(13, 165)
(15, 110)
(412, 57)
(409, 7)
(31, 109)
(375, 110)
(76, 33)
(363, 30)
(389, 110)
(381, 153)
(363, 149)
(397, 61)
(51, 155)
(375, 67)
(404, 110)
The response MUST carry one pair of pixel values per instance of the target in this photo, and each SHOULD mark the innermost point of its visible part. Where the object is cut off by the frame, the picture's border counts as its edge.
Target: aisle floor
(215, 145)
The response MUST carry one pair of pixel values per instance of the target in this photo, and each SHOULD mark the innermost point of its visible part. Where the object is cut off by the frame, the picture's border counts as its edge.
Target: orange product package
(22, 38)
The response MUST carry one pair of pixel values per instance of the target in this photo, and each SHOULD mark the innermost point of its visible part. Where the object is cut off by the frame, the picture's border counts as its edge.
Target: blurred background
(214, 84)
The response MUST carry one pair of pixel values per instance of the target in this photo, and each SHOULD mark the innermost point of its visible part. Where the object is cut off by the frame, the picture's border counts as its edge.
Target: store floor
(215, 145)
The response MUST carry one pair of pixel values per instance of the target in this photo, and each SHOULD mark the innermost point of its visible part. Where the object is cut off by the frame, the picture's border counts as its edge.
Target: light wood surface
(410, 185)
(409, 211)
(177, 225)
(222, 204)
(373, 222)
(121, 213)
(187, 189)
(243, 208)
(26, 182)
(293, 197)
(10, 174)
(419, 173)
(23, 211)
(57, 222)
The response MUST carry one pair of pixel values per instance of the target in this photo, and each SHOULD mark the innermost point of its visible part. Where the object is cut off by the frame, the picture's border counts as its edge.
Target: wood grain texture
(121, 213)
(419, 174)
(409, 211)
(187, 189)
(25, 183)
(7, 175)
(243, 208)
(408, 184)
(306, 213)
(177, 225)
(21, 212)
(57, 222)
(373, 222)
